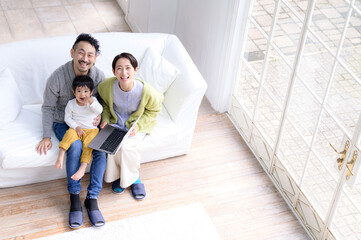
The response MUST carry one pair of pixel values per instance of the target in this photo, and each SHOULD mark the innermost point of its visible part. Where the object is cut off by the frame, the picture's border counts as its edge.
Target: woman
(124, 100)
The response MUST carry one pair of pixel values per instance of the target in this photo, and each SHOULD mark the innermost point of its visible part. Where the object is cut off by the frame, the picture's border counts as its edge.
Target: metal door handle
(341, 159)
(350, 165)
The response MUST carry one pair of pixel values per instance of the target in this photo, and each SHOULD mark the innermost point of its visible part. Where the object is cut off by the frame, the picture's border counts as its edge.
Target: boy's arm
(95, 106)
(68, 117)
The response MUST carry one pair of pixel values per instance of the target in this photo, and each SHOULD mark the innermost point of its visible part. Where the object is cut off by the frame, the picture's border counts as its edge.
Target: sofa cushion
(18, 141)
(10, 98)
(157, 71)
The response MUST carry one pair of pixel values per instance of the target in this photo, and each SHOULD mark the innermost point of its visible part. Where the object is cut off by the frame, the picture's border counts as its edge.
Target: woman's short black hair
(85, 37)
(83, 81)
(128, 56)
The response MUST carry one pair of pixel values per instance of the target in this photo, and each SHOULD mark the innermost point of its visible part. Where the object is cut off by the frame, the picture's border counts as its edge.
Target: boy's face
(82, 94)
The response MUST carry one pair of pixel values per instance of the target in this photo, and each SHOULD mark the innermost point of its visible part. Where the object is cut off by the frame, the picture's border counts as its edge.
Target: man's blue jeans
(73, 154)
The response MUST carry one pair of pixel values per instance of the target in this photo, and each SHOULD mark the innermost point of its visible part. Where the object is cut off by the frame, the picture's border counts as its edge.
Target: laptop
(110, 138)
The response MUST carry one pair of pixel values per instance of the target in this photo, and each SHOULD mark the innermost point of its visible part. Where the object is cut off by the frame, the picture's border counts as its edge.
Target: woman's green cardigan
(149, 107)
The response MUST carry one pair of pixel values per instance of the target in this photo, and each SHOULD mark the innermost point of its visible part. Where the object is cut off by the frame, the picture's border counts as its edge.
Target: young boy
(79, 115)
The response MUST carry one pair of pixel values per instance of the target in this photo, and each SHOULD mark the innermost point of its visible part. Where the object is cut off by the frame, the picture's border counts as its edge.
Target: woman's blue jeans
(73, 154)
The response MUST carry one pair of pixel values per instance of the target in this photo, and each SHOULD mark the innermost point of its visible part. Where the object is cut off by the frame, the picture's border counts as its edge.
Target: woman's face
(124, 72)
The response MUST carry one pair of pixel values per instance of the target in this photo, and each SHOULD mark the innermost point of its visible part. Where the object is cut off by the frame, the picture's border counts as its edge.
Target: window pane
(255, 49)
(293, 152)
(319, 186)
(345, 99)
(247, 90)
(329, 133)
(268, 117)
(328, 21)
(316, 65)
(351, 49)
(263, 14)
(300, 6)
(287, 33)
(304, 111)
(278, 77)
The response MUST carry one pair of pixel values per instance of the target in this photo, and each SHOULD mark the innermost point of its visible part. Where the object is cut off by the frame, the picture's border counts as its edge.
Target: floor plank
(222, 174)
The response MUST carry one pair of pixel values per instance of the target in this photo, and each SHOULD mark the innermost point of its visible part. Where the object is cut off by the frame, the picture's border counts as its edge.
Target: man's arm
(50, 99)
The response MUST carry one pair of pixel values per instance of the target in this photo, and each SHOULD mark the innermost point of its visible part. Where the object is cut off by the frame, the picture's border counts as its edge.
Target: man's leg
(96, 174)
(72, 165)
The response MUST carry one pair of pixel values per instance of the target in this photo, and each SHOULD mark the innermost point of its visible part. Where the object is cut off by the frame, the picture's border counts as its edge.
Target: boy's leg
(60, 160)
(73, 156)
(69, 137)
(81, 171)
(87, 152)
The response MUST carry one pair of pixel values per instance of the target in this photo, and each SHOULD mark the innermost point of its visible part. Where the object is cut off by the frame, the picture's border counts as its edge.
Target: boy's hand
(90, 100)
(80, 131)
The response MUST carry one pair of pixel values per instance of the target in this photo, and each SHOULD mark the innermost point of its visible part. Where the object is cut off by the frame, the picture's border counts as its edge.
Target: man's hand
(79, 131)
(97, 120)
(43, 146)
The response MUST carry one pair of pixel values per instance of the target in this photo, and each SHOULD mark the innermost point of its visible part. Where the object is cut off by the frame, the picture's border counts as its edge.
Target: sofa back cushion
(32, 61)
(157, 71)
(10, 98)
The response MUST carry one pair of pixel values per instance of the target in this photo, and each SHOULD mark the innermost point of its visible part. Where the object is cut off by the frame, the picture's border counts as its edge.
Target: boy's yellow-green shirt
(149, 107)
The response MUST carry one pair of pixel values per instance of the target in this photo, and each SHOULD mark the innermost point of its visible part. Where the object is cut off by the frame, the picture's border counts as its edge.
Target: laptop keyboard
(113, 140)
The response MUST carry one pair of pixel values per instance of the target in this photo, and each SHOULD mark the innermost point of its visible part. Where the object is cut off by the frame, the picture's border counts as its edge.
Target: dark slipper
(116, 187)
(95, 216)
(75, 219)
(138, 191)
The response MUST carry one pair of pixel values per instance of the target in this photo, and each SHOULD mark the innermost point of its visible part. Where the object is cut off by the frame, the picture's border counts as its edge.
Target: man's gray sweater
(58, 92)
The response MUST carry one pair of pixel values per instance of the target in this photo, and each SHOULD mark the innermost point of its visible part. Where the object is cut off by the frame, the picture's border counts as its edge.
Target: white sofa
(26, 65)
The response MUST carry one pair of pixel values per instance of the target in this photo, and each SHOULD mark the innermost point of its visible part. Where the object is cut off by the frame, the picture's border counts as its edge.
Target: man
(57, 93)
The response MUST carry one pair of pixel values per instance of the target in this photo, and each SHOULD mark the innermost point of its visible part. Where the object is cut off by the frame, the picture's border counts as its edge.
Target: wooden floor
(220, 172)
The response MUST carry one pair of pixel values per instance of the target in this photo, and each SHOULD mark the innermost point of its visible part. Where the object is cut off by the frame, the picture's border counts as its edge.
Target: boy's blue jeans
(73, 154)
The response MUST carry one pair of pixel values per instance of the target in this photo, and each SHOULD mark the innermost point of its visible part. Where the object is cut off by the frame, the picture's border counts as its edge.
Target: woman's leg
(130, 160)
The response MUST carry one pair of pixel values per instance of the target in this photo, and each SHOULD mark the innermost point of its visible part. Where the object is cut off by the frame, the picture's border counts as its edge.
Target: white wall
(210, 30)
(151, 15)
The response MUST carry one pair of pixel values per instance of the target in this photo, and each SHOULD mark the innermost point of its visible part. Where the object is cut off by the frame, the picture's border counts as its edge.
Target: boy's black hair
(128, 56)
(83, 81)
(85, 37)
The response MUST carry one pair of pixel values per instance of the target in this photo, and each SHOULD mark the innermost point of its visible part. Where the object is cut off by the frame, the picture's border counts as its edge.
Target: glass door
(298, 103)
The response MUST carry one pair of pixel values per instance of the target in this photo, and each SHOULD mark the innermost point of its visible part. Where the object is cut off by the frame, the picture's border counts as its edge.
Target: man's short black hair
(83, 81)
(85, 37)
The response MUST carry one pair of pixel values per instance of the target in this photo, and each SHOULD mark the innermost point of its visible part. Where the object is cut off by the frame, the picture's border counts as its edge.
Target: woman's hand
(103, 124)
(135, 130)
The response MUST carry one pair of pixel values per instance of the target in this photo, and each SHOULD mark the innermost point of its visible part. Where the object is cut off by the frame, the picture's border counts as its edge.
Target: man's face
(84, 56)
